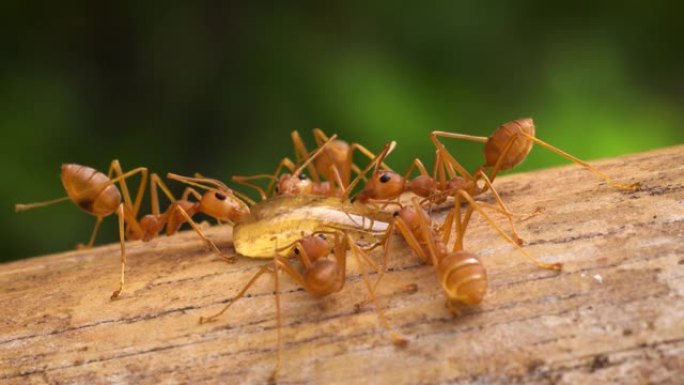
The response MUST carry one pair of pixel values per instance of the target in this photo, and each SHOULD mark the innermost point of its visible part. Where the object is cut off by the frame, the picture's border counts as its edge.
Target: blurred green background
(216, 87)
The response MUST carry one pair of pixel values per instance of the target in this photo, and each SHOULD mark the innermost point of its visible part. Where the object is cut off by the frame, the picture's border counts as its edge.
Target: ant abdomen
(496, 144)
(335, 155)
(79, 182)
(463, 277)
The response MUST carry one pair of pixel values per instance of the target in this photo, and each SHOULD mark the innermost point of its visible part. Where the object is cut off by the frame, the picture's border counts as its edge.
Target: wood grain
(615, 314)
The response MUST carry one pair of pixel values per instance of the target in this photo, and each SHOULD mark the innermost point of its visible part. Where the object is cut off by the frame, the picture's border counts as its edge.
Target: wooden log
(615, 313)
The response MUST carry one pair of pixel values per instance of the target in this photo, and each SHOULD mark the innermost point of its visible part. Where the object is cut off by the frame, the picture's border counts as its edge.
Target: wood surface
(615, 314)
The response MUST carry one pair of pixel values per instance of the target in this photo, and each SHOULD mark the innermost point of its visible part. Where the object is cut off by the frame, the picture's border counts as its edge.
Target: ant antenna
(197, 182)
(313, 156)
(389, 147)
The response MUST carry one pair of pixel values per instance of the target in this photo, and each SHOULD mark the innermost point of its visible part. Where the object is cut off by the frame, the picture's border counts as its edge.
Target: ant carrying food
(317, 274)
(461, 273)
(296, 226)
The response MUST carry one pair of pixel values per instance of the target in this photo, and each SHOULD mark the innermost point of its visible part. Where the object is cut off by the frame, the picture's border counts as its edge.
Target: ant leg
(413, 242)
(284, 163)
(374, 163)
(93, 235)
(244, 180)
(382, 270)
(133, 206)
(461, 224)
(264, 269)
(123, 215)
(301, 153)
(28, 206)
(367, 153)
(157, 182)
(416, 164)
(279, 323)
(474, 205)
(337, 186)
(199, 232)
(455, 135)
(599, 173)
(209, 184)
(444, 153)
(115, 168)
(397, 339)
(191, 191)
(509, 144)
(504, 210)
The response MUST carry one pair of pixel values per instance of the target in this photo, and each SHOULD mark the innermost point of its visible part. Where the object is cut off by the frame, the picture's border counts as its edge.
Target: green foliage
(216, 88)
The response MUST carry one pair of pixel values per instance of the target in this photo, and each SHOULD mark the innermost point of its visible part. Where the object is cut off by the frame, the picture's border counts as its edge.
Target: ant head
(294, 184)
(383, 185)
(323, 277)
(334, 155)
(316, 246)
(223, 205)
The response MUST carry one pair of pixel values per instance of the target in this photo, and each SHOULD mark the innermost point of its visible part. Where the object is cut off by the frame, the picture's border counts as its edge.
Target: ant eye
(303, 176)
(384, 178)
(277, 190)
(296, 250)
(395, 214)
(220, 196)
(322, 236)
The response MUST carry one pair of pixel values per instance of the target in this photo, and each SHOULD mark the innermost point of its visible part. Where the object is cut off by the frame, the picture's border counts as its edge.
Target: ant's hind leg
(93, 235)
(596, 171)
(419, 165)
(381, 271)
(397, 339)
(121, 215)
(474, 205)
(115, 169)
(446, 156)
(264, 269)
(301, 153)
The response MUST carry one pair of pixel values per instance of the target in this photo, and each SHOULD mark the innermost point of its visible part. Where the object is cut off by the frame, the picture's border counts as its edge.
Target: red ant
(319, 275)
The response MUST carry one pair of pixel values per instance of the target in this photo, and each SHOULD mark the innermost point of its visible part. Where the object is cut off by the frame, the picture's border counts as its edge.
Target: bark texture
(615, 314)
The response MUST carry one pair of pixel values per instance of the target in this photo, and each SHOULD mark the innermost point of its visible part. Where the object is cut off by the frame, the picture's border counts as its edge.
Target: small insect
(506, 148)
(295, 226)
(317, 274)
(337, 158)
(335, 163)
(97, 194)
(220, 203)
(461, 273)
(388, 185)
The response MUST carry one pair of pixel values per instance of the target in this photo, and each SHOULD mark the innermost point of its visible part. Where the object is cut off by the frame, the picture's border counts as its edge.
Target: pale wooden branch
(615, 314)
